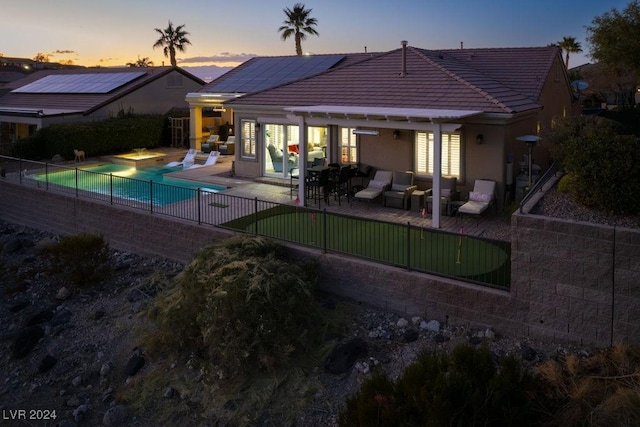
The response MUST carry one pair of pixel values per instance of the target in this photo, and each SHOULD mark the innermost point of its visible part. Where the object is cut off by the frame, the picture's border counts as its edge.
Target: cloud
(223, 57)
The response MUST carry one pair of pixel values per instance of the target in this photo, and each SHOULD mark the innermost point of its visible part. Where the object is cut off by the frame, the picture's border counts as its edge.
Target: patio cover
(388, 113)
(436, 120)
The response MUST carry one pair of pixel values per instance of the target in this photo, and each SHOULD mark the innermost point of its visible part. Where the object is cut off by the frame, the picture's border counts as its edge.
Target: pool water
(130, 183)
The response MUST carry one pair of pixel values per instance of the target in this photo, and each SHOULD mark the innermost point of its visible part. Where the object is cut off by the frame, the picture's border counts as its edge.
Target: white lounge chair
(211, 160)
(480, 199)
(189, 158)
(381, 182)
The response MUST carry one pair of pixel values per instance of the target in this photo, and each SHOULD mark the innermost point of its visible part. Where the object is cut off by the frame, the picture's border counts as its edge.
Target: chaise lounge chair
(189, 158)
(211, 160)
(480, 199)
(381, 182)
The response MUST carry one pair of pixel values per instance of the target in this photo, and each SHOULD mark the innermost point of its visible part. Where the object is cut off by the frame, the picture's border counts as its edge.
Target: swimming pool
(141, 184)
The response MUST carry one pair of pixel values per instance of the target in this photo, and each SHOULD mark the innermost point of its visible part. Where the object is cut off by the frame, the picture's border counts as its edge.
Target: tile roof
(60, 103)
(501, 80)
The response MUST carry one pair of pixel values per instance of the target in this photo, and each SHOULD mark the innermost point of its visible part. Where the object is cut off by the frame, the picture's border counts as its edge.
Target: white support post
(437, 174)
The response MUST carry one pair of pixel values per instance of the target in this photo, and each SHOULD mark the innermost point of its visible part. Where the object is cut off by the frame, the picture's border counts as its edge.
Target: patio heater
(531, 141)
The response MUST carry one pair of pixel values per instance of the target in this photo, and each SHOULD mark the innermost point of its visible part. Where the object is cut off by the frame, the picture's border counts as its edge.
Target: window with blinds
(248, 138)
(348, 146)
(451, 154)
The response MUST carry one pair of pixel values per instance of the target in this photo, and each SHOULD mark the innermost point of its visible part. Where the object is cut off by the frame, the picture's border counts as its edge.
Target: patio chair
(448, 194)
(211, 160)
(381, 182)
(210, 143)
(188, 159)
(229, 147)
(402, 186)
(276, 158)
(480, 199)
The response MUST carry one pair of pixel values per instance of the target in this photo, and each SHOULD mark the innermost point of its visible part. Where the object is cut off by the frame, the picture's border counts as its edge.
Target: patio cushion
(476, 196)
(368, 193)
(473, 207)
(377, 184)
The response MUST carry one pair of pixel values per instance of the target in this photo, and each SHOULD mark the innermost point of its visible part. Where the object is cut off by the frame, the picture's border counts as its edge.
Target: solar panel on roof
(80, 83)
(265, 73)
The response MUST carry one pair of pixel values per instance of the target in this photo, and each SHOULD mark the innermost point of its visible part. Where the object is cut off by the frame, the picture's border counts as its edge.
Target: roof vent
(404, 58)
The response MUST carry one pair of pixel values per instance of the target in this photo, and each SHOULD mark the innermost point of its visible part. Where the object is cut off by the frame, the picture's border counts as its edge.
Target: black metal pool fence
(458, 256)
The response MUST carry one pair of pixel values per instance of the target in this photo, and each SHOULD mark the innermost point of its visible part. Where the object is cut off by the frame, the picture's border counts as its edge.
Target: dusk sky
(226, 33)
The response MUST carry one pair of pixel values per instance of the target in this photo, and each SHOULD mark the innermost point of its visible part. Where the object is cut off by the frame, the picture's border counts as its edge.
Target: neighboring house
(403, 105)
(85, 94)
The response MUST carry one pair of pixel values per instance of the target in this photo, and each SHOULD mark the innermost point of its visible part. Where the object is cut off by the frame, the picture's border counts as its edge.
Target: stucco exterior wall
(571, 282)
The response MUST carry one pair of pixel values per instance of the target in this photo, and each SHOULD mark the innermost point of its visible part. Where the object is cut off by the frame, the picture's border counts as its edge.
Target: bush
(110, 136)
(602, 390)
(464, 388)
(601, 161)
(83, 257)
(244, 306)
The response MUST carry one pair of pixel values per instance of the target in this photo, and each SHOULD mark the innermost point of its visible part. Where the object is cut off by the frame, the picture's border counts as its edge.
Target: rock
(115, 416)
(80, 412)
(46, 364)
(402, 323)
(63, 294)
(26, 340)
(77, 381)
(489, 333)
(410, 335)
(344, 355)
(97, 315)
(134, 364)
(362, 367)
(73, 401)
(57, 158)
(105, 369)
(168, 392)
(432, 325)
(416, 320)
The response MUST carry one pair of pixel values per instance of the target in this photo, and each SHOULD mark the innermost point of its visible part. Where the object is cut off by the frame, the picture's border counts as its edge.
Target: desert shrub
(374, 405)
(243, 306)
(463, 388)
(601, 160)
(602, 390)
(83, 258)
(567, 183)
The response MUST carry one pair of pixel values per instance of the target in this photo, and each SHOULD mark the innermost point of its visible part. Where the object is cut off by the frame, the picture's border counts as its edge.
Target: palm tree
(144, 62)
(297, 24)
(172, 39)
(569, 45)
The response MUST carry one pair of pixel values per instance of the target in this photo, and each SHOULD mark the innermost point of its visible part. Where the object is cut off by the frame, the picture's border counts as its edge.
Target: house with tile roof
(434, 112)
(52, 96)
(256, 74)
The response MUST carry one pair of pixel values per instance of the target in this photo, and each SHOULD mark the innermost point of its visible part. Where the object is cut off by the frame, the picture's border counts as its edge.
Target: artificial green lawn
(448, 254)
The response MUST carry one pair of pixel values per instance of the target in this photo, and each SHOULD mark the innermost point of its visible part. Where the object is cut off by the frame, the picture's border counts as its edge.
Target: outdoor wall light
(396, 134)
(479, 138)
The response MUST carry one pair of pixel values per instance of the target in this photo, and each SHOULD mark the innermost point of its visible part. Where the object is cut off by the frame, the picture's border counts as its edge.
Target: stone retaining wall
(563, 284)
